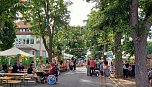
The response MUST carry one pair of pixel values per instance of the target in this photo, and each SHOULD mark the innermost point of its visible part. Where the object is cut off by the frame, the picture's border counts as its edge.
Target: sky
(79, 11)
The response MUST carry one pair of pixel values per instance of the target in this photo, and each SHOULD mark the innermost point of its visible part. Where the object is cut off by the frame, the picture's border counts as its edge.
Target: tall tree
(8, 13)
(139, 26)
(112, 19)
(46, 17)
(7, 36)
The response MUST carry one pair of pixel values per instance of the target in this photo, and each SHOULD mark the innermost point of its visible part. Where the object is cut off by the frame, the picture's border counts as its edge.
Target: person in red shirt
(92, 65)
(54, 70)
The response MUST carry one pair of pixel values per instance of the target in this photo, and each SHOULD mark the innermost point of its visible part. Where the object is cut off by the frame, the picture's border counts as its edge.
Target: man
(21, 67)
(125, 69)
(92, 65)
(15, 68)
(74, 64)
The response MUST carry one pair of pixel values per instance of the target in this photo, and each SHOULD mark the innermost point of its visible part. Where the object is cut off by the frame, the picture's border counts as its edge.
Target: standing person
(92, 66)
(15, 68)
(47, 65)
(88, 67)
(125, 69)
(67, 65)
(133, 70)
(21, 67)
(106, 71)
(71, 65)
(101, 66)
(74, 63)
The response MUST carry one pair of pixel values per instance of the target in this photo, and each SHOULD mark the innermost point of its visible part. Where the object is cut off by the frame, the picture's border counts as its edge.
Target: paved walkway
(77, 78)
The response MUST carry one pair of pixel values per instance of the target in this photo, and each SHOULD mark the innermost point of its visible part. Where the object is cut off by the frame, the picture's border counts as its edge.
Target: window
(23, 30)
(32, 41)
(20, 30)
(16, 41)
(38, 41)
(27, 30)
(33, 52)
(24, 41)
(20, 41)
(43, 53)
(37, 53)
(27, 41)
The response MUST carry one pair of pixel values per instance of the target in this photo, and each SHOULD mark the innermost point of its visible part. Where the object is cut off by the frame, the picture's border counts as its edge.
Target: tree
(139, 26)
(7, 36)
(149, 47)
(8, 12)
(112, 20)
(46, 17)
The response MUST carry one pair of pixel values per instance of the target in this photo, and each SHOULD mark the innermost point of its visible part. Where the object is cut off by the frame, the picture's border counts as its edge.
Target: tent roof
(67, 56)
(14, 52)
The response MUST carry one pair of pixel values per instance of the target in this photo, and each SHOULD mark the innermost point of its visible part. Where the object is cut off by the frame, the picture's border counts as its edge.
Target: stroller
(96, 70)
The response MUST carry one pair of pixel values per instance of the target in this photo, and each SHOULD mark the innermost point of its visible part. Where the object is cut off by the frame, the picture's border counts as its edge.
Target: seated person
(54, 70)
(15, 68)
(4, 68)
(31, 71)
(10, 68)
(21, 67)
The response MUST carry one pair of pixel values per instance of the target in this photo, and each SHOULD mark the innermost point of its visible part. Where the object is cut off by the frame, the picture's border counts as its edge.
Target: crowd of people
(38, 70)
(98, 67)
(128, 69)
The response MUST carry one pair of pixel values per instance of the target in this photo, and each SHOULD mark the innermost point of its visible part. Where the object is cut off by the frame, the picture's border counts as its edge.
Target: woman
(106, 71)
(67, 65)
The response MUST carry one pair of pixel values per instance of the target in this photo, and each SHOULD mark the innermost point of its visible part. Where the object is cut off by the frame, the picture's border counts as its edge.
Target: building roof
(21, 24)
(24, 33)
(26, 48)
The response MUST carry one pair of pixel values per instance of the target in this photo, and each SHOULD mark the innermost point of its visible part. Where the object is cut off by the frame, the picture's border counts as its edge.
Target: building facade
(27, 41)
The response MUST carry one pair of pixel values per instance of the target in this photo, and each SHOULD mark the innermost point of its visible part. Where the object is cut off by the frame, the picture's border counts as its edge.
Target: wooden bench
(29, 79)
(12, 82)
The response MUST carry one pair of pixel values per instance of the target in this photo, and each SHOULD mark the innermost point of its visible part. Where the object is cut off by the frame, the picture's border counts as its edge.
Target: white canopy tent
(14, 52)
(67, 56)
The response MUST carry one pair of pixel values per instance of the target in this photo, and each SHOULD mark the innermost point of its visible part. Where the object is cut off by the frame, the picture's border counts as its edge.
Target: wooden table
(22, 71)
(15, 74)
(5, 78)
(46, 69)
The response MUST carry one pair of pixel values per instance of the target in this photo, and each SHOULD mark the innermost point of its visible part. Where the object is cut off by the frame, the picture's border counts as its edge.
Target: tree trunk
(139, 39)
(50, 47)
(118, 55)
(141, 61)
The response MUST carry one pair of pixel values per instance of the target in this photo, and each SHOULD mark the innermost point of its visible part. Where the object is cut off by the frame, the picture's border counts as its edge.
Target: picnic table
(14, 75)
(46, 69)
